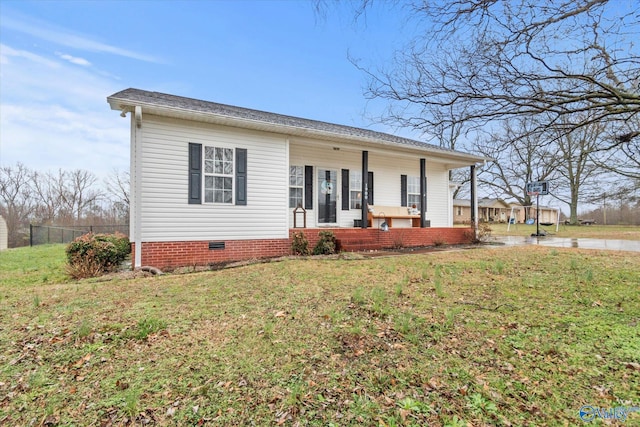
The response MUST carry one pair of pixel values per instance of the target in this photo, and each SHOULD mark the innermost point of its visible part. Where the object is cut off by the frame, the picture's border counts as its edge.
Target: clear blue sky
(59, 60)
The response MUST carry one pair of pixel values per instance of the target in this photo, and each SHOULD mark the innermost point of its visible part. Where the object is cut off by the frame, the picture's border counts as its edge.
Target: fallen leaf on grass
(82, 360)
(121, 385)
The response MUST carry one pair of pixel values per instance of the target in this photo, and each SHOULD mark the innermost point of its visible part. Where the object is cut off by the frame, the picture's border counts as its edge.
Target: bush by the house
(484, 233)
(300, 244)
(326, 245)
(92, 254)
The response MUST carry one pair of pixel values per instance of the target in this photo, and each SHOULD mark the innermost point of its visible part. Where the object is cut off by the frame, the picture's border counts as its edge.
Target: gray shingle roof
(130, 97)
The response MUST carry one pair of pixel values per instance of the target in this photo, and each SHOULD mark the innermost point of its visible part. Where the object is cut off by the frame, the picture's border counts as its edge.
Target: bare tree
(117, 186)
(475, 62)
(519, 157)
(578, 170)
(47, 191)
(79, 193)
(624, 160)
(16, 201)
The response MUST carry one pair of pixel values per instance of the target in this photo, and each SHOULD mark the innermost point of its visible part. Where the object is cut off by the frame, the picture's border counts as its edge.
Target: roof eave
(456, 158)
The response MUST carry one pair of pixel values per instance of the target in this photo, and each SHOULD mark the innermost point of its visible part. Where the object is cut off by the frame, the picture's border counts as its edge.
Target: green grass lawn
(487, 336)
(625, 232)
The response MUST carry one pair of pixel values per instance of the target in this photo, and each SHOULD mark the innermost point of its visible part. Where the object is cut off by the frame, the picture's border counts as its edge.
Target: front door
(327, 191)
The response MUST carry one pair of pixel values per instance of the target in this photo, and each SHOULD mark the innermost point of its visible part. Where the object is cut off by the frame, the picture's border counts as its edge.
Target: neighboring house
(497, 210)
(548, 215)
(489, 210)
(214, 183)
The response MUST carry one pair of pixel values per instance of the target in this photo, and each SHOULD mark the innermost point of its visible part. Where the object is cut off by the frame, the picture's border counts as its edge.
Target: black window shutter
(308, 187)
(370, 185)
(195, 173)
(241, 176)
(403, 190)
(345, 190)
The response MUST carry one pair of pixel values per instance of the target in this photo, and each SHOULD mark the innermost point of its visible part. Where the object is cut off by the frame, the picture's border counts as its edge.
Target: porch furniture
(389, 213)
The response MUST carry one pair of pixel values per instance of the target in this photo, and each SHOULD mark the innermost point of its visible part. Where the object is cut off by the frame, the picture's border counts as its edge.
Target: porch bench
(389, 213)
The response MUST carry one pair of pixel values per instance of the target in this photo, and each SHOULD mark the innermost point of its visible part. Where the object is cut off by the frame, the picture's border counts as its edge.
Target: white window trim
(301, 186)
(412, 181)
(356, 188)
(214, 175)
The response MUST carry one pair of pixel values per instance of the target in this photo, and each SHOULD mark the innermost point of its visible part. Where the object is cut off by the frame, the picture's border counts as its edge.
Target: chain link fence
(45, 234)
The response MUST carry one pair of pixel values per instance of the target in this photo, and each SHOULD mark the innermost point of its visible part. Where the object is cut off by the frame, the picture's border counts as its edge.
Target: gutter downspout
(136, 183)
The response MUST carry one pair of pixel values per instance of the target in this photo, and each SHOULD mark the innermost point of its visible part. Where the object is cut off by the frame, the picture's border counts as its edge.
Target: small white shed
(4, 234)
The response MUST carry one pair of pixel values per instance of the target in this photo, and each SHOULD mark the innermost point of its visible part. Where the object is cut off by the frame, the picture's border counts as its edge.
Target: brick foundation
(169, 255)
(357, 239)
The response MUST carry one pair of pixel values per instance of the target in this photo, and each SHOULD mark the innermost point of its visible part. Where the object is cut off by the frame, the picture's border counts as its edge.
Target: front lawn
(487, 336)
(623, 232)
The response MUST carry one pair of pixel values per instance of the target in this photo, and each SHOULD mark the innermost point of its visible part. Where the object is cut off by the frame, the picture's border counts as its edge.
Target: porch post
(474, 202)
(423, 192)
(365, 188)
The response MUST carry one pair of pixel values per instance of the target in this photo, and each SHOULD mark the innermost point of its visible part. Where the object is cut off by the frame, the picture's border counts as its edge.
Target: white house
(213, 183)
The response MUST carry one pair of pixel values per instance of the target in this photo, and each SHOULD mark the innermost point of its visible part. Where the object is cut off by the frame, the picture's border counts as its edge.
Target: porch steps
(358, 239)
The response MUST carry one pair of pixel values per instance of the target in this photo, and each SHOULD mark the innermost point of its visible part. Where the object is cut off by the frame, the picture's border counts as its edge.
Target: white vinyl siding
(438, 196)
(163, 199)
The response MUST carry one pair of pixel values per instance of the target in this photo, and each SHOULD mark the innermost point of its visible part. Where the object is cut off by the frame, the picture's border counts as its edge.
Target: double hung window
(413, 191)
(355, 189)
(296, 186)
(218, 175)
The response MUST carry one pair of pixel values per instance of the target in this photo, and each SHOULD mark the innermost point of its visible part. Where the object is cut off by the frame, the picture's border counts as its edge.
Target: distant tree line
(60, 198)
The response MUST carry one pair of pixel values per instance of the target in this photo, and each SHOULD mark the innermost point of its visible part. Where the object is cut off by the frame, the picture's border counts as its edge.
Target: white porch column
(474, 202)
